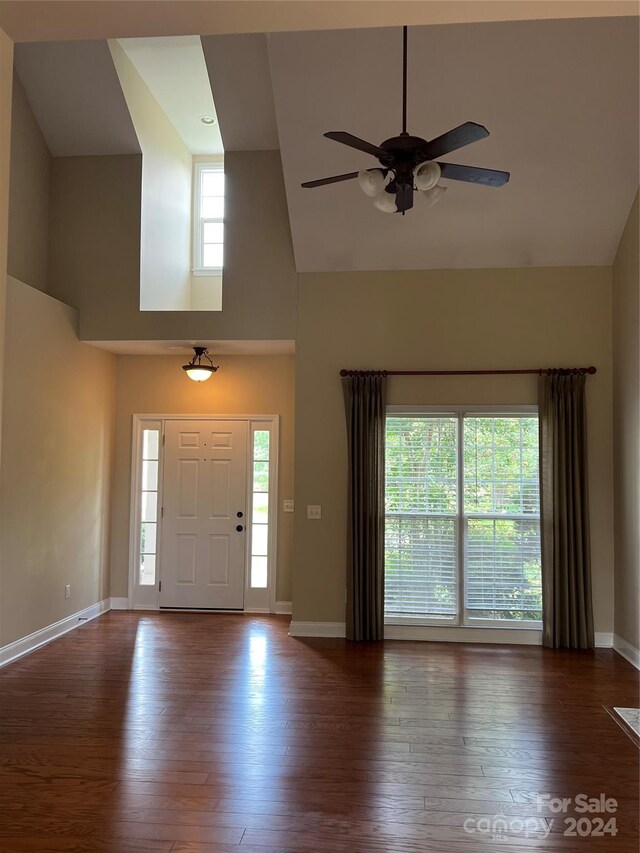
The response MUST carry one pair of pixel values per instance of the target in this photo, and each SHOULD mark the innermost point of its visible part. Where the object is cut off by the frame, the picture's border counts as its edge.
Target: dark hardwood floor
(197, 733)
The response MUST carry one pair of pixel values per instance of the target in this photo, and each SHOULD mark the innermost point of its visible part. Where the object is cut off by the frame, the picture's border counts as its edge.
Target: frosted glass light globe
(371, 182)
(434, 195)
(386, 202)
(426, 175)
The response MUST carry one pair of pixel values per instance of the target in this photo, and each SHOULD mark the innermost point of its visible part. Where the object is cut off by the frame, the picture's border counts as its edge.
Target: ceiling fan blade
(460, 136)
(404, 197)
(355, 142)
(474, 175)
(333, 180)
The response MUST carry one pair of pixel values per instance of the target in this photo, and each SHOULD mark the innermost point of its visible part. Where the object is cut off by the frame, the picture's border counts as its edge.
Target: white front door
(204, 514)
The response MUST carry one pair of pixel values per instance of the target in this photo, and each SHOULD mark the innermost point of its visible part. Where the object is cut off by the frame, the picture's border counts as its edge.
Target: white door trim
(139, 422)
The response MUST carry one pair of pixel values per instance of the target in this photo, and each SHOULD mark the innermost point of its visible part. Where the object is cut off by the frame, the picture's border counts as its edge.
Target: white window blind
(421, 525)
(502, 518)
(462, 512)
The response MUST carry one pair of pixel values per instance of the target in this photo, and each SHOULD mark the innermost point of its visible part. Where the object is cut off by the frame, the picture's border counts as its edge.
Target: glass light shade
(371, 182)
(434, 195)
(386, 202)
(426, 175)
(198, 372)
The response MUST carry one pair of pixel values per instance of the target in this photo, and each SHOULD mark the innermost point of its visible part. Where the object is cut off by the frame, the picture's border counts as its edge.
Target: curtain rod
(550, 371)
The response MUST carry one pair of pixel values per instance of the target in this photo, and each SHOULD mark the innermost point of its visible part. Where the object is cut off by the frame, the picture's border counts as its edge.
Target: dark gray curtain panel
(566, 558)
(365, 398)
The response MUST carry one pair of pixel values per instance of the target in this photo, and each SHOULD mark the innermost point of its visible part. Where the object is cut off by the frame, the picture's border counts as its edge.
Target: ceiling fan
(409, 163)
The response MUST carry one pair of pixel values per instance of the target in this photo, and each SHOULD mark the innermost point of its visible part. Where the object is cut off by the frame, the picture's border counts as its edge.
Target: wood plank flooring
(211, 733)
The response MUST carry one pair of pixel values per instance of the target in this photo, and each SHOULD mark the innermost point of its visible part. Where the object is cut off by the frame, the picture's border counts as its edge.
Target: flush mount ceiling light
(207, 120)
(410, 161)
(196, 370)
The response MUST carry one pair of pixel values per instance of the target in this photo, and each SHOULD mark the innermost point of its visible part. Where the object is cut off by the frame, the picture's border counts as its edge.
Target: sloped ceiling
(560, 99)
(44, 20)
(175, 72)
(76, 97)
(238, 67)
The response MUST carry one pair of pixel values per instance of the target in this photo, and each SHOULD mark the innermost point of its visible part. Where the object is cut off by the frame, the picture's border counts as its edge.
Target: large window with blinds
(462, 529)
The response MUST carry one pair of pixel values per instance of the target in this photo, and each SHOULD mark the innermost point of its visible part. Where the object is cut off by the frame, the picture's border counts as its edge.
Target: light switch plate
(287, 506)
(314, 511)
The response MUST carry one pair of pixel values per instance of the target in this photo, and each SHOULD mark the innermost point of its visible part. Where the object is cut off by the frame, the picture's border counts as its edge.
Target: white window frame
(462, 619)
(198, 222)
(256, 600)
(143, 596)
(253, 428)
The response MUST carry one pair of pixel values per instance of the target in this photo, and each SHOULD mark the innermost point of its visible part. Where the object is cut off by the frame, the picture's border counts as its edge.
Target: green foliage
(500, 478)
(261, 445)
(260, 476)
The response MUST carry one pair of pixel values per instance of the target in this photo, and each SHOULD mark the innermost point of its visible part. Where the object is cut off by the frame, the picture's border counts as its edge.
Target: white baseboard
(317, 629)
(283, 608)
(627, 651)
(119, 603)
(21, 647)
(516, 636)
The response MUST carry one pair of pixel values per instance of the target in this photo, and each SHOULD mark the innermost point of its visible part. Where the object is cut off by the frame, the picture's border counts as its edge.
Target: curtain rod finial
(591, 370)
(344, 372)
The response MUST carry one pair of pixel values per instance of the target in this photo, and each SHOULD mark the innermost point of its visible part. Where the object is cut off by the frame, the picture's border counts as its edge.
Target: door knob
(239, 514)
(239, 528)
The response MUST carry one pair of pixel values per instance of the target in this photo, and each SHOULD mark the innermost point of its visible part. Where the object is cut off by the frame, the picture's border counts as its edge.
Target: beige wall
(28, 195)
(56, 464)
(626, 426)
(94, 256)
(6, 77)
(244, 385)
(95, 253)
(520, 318)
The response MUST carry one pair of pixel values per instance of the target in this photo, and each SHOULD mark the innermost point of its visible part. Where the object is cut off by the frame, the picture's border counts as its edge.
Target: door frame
(255, 600)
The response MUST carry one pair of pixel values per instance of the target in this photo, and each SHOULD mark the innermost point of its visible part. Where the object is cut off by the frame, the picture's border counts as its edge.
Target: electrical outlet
(287, 506)
(314, 512)
(67, 591)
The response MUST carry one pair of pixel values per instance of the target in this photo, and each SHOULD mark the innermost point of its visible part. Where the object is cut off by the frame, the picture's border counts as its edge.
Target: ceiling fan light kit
(426, 175)
(371, 181)
(386, 202)
(409, 162)
(433, 196)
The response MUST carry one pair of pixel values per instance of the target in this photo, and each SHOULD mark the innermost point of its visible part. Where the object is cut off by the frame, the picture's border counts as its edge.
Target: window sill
(214, 271)
(413, 622)
(508, 635)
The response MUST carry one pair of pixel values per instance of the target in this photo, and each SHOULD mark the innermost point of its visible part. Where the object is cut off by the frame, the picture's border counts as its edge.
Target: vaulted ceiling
(559, 97)
(76, 97)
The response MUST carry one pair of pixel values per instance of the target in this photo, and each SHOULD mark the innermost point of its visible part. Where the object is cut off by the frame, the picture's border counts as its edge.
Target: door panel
(218, 559)
(188, 488)
(203, 554)
(187, 550)
(220, 483)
